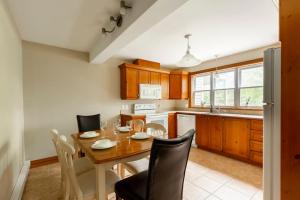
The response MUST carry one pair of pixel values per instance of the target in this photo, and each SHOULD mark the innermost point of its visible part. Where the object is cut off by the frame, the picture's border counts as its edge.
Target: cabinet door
(172, 125)
(155, 78)
(215, 132)
(144, 77)
(164, 82)
(131, 83)
(236, 135)
(175, 86)
(202, 131)
(184, 87)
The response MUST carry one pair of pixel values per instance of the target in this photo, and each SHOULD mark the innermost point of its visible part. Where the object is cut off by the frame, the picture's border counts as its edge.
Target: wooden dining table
(126, 150)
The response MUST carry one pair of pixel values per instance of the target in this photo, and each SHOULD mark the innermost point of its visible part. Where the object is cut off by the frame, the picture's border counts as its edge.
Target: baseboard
(19, 187)
(44, 161)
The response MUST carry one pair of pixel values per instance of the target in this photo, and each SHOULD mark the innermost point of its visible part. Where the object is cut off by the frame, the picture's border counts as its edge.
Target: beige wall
(236, 58)
(11, 104)
(58, 85)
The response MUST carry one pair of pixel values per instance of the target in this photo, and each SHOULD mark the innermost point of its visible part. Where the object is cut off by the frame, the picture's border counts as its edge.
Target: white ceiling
(219, 27)
(72, 24)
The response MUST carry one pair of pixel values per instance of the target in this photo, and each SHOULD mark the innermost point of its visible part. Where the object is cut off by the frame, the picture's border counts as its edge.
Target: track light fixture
(117, 21)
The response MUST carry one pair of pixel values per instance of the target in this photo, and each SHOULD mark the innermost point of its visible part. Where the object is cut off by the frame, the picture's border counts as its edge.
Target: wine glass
(103, 125)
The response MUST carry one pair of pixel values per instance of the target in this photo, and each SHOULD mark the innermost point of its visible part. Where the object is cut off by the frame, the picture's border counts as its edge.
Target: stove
(149, 110)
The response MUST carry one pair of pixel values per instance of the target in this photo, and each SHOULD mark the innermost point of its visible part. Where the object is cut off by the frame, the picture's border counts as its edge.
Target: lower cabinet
(240, 138)
(236, 137)
(202, 131)
(209, 132)
(172, 128)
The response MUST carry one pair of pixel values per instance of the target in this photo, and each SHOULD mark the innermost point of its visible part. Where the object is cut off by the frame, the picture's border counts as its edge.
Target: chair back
(55, 140)
(167, 167)
(67, 152)
(136, 124)
(156, 130)
(88, 123)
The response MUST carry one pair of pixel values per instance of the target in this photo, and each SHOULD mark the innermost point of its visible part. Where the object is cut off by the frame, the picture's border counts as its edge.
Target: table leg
(76, 147)
(100, 182)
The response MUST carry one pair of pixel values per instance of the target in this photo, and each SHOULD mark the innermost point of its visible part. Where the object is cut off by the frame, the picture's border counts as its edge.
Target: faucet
(212, 109)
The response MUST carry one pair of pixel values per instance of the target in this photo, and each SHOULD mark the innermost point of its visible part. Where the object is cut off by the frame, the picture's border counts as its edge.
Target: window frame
(237, 68)
(213, 90)
(194, 91)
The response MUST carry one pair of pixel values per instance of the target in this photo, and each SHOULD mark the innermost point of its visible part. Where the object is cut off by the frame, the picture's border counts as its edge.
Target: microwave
(150, 91)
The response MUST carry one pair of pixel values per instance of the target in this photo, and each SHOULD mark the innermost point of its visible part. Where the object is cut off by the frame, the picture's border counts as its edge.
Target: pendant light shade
(188, 60)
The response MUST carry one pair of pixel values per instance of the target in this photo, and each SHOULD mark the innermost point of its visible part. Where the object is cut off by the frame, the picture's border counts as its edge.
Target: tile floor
(208, 176)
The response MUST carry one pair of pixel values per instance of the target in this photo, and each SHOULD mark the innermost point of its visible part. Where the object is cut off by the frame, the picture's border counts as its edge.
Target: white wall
(11, 104)
(58, 85)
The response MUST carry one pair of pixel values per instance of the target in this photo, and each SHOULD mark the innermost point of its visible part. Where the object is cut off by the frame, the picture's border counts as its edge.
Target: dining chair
(156, 130)
(81, 165)
(165, 177)
(137, 166)
(88, 123)
(136, 124)
(83, 186)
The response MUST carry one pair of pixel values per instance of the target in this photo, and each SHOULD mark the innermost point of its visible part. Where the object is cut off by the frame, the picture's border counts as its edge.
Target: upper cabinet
(133, 75)
(179, 85)
(174, 84)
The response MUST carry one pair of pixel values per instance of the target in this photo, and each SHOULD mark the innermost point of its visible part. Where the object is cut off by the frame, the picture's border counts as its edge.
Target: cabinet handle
(297, 156)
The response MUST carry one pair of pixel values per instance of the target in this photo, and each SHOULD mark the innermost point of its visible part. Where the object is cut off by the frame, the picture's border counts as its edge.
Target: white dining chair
(137, 166)
(83, 186)
(136, 124)
(81, 165)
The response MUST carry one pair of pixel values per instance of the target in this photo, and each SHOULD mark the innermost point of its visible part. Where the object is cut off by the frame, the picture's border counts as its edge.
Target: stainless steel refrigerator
(272, 132)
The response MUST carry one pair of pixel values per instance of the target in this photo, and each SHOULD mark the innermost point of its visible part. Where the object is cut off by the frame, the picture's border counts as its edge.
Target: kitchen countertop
(206, 113)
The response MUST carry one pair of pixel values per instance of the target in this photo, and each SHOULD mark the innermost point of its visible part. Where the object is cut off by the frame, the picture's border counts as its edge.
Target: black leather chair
(88, 123)
(165, 176)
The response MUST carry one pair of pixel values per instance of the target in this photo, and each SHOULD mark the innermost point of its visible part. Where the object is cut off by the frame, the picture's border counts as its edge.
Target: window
(223, 88)
(251, 86)
(239, 87)
(201, 90)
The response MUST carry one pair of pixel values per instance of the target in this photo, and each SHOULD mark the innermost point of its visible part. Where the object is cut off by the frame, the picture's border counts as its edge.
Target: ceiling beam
(144, 15)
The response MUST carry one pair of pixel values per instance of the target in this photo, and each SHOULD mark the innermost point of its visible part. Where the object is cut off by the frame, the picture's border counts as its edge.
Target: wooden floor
(209, 176)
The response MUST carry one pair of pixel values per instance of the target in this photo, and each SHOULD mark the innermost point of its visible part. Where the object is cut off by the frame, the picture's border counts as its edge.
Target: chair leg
(122, 171)
(67, 190)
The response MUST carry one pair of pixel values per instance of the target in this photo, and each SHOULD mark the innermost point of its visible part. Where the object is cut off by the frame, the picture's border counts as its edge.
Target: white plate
(140, 136)
(124, 129)
(89, 134)
(103, 144)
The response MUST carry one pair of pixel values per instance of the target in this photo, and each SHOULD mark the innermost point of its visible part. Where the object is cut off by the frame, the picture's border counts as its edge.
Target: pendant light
(188, 60)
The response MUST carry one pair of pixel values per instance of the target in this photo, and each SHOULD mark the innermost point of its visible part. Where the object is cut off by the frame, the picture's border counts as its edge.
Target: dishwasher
(186, 123)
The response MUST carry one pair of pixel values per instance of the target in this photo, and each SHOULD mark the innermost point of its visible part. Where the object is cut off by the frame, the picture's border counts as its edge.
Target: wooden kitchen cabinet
(129, 83)
(236, 137)
(209, 132)
(172, 128)
(155, 78)
(179, 85)
(215, 124)
(144, 77)
(164, 82)
(134, 75)
(202, 131)
(256, 141)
